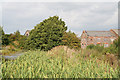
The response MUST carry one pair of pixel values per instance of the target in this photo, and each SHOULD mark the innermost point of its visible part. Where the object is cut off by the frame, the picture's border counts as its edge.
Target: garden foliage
(113, 48)
(71, 40)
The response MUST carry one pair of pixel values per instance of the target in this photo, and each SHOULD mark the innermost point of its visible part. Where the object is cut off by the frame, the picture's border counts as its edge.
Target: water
(14, 56)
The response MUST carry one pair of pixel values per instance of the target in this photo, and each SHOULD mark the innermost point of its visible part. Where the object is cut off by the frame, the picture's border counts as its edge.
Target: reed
(41, 64)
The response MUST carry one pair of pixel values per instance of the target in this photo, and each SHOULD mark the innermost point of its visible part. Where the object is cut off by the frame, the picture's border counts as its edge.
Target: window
(98, 39)
(105, 39)
(27, 34)
(90, 39)
(83, 39)
(112, 40)
(106, 45)
(82, 43)
(98, 43)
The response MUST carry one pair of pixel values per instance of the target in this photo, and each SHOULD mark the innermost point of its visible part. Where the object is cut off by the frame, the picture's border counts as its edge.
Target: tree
(116, 43)
(1, 31)
(22, 41)
(3, 37)
(70, 39)
(17, 35)
(47, 34)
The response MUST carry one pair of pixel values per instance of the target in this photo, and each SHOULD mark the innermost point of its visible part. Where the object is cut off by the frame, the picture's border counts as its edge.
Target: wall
(102, 41)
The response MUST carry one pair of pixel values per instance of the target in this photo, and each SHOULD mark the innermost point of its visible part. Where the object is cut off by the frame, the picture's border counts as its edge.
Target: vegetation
(10, 51)
(71, 40)
(47, 34)
(41, 64)
(15, 37)
(112, 49)
(22, 41)
(5, 39)
(44, 61)
(44, 36)
(11, 43)
(0, 36)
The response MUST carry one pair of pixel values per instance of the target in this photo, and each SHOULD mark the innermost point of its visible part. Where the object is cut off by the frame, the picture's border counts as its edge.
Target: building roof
(27, 31)
(100, 33)
(117, 31)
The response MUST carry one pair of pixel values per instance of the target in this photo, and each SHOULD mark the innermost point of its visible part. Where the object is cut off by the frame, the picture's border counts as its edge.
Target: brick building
(103, 38)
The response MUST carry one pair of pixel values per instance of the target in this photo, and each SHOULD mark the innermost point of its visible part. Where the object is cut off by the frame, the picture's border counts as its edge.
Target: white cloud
(0, 16)
(59, 0)
(78, 16)
(112, 19)
(96, 16)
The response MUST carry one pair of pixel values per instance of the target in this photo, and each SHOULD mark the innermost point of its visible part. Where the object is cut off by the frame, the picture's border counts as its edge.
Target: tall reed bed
(41, 64)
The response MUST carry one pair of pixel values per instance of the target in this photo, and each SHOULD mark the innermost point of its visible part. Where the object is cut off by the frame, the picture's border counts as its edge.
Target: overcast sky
(78, 16)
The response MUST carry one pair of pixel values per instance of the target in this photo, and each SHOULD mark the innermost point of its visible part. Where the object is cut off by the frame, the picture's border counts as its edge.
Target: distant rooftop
(100, 33)
(28, 30)
(117, 31)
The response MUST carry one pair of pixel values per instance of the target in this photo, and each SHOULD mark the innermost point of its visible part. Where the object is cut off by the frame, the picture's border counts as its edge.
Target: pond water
(14, 56)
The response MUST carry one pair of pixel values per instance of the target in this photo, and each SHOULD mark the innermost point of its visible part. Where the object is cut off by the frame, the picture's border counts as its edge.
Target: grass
(12, 48)
(11, 51)
(57, 63)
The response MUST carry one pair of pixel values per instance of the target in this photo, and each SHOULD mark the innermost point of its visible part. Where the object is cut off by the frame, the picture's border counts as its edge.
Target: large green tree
(47, 34)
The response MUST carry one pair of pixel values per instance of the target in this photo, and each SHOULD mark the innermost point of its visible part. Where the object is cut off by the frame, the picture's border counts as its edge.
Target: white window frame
(105, 45)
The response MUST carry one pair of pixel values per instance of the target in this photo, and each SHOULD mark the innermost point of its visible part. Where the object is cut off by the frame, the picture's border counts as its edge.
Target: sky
(78, 16)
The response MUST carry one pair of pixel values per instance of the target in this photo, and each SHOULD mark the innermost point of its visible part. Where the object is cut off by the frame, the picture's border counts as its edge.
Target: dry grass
(87, 54)
(60, 62)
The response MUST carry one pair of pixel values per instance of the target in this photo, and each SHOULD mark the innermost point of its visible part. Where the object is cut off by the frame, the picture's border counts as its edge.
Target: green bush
(113, 48)
(71, 40)
(22, 42)
(90, 46)
(3, 37)
(96, 47)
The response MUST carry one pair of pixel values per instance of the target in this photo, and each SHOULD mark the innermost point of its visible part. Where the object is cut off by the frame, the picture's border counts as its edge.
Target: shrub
(96, 47)
(113, 48)
(71, 40)
(90, 46)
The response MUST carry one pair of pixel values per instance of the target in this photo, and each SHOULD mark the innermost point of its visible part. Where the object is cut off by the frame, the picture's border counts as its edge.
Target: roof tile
(100, 33)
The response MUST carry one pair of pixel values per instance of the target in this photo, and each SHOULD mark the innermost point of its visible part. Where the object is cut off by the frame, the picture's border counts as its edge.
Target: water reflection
(13, 56)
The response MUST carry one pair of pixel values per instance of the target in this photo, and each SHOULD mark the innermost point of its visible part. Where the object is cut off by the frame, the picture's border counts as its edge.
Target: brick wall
(84, 40)
(102, 41)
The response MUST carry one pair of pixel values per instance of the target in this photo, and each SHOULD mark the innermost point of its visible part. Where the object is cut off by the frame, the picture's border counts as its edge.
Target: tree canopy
(1, 30)
(46, 34)
(3, 38)
(70, 39)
